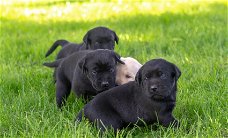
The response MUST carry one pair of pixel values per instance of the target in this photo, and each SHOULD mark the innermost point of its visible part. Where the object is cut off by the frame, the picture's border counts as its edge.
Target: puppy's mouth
(158, 96)
(99, 89)
(106, 88)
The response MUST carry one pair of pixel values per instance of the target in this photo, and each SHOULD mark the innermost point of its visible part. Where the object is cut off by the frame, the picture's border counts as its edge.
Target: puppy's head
(126, 72)
(100, 68)
(158, 78)
(100, 38)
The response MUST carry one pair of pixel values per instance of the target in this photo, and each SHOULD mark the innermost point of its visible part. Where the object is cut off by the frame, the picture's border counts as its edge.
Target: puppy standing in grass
(96, 38)
(151, 97)
(87, 73)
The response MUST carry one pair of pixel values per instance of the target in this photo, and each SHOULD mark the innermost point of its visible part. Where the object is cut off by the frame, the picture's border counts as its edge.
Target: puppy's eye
(111, 70)
(160, 73)
(128, 76)
(163, 76)
(94, 72)
(146, 78)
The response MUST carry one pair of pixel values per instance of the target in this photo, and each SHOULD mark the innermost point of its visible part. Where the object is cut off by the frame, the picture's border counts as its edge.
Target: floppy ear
(117, 57)
(177, 72)
(116, 38)
(138, 77)
(86, 40)
(82, 65)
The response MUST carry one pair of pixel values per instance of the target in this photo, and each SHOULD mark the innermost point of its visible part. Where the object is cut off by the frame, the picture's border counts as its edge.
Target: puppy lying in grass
(87, 73)
(126, 72)
(150, 98)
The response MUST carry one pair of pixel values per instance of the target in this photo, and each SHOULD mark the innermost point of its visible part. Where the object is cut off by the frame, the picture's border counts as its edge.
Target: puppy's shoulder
(123, 91)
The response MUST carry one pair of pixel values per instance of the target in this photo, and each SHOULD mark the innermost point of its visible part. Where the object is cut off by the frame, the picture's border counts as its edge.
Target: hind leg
(62, 92)
(54, 76)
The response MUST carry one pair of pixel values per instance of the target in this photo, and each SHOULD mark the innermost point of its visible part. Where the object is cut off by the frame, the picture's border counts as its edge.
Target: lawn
(193, 35)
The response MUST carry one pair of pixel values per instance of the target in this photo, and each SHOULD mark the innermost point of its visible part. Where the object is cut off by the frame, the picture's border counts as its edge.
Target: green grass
(193, 35)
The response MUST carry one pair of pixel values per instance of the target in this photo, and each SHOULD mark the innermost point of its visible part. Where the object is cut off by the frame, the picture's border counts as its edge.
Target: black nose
(105, 84)
(153, 88)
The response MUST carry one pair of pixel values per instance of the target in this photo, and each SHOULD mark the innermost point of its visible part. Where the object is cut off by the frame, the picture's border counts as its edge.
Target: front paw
(171, 123)
(175, 123)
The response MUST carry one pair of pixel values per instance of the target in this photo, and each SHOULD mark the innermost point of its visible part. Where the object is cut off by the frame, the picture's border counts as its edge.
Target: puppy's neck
(148, 106)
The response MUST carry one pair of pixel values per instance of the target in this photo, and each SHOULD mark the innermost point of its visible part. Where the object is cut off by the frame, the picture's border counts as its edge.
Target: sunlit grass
(192, 34)
(72, 11)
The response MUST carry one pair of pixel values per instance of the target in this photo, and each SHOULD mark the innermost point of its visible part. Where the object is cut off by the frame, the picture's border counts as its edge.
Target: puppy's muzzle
(156, 91)
(153, 88)
(105, 85)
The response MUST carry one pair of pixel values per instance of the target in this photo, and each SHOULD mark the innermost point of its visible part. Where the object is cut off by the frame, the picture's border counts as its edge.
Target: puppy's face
(100, 38)
(158, 78)
(126, 72)
(100, 68)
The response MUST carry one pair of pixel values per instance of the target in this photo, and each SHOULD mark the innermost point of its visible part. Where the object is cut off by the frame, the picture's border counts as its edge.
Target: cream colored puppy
(126, 72)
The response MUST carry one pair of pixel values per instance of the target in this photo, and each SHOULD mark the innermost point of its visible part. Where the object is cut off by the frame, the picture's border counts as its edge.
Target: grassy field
(193, 35)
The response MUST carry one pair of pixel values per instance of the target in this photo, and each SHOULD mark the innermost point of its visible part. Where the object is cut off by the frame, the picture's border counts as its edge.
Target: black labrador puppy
(87, 73)
(96, 38)
(150, 98)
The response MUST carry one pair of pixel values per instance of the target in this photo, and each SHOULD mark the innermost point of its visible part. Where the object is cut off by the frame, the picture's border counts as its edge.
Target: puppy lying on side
(96, 38)
(151, 97)
(126, 72)
(87, 73)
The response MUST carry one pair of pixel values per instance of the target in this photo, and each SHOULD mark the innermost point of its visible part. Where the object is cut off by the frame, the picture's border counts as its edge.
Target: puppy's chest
(145, 115)
(137, 114)
(149, 114)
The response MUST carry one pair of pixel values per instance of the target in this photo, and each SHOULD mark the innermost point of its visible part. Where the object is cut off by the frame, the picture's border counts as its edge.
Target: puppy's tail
(55, 45)
(54, 64)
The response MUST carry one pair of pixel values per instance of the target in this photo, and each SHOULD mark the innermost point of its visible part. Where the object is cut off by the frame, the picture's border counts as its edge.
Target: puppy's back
(69, 49)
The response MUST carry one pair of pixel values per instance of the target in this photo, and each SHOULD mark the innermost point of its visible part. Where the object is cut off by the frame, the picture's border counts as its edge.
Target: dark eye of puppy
(94, 72)
(111, 70)
(161, 75)
(97, 43)
(128, 76)
(145, 78)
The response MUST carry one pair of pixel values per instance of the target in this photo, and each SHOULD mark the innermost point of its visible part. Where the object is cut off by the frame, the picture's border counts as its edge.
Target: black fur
(87, 73)
(151, 98)
(96, 38)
